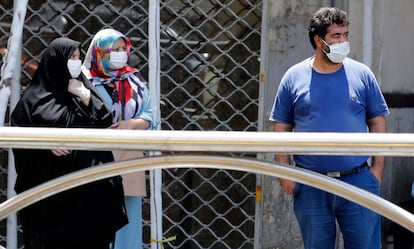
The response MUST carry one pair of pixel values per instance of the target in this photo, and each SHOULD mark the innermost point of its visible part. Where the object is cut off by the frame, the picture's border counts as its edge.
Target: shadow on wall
(401, 237)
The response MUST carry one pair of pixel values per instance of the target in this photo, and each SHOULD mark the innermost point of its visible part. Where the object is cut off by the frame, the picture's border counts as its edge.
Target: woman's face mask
(118, 60)
(338, 51)
(74, 67)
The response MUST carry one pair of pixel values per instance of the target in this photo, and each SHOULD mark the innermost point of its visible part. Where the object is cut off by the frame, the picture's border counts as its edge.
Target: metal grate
(209, 81)
(210, 64)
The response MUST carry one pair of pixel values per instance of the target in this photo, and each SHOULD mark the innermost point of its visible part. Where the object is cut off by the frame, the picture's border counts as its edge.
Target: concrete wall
(392, 62)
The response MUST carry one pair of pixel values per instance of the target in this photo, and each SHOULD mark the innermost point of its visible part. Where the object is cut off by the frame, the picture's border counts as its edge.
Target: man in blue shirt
(329, 92)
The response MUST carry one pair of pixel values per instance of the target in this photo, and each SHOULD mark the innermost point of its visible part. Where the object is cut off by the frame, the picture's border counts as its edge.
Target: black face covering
(52, 73)
(47, 103)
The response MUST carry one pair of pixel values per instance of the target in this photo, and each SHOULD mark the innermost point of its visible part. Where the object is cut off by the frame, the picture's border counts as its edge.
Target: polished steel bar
(198, 141)
(387, 144)
(364, 198)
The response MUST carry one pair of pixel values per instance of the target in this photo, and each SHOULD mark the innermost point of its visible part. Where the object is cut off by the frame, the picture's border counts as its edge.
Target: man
(331, 93)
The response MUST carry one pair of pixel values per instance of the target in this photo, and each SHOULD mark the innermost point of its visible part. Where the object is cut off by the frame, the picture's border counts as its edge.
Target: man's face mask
(118, 60)
(74, 67)
(338, 51)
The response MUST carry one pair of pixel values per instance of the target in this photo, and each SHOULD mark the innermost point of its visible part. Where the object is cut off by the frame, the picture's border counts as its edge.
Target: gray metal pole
(154, 82)
(264, 39)
(11, 73)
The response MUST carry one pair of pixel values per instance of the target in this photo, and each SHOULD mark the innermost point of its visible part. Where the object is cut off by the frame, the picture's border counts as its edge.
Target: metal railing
(305, 143)
(364, 198)
(390, 144)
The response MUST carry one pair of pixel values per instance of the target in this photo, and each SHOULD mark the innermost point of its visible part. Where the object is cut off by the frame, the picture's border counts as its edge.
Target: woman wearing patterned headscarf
(125, 91)
(60, 96)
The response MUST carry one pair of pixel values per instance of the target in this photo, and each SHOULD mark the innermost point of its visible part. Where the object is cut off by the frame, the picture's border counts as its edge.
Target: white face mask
(118, 60)
(338, 51)
(74, 67)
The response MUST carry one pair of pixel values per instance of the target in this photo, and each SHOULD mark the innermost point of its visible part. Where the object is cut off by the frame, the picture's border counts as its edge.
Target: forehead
(76, 52)
(337, 29)
(119, 42)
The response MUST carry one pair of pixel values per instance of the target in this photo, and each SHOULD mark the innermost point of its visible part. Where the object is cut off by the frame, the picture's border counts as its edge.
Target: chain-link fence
(209, 81)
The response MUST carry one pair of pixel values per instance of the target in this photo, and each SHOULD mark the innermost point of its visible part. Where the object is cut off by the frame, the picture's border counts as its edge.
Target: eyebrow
(339, 33)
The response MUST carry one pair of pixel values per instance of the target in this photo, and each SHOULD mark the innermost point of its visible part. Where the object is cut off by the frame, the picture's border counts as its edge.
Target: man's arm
(377, 125)
(286, 185)
(281, 127)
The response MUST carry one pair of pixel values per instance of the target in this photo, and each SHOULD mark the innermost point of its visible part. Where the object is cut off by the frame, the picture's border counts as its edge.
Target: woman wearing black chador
(60, 96)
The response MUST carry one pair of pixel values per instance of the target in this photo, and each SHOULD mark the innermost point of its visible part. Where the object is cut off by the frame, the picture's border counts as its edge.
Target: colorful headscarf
(97, 56)
(129, 85)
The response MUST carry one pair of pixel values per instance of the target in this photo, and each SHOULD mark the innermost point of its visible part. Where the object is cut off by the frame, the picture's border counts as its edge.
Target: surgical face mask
(117, 60)
(338, 51)
(74, 67)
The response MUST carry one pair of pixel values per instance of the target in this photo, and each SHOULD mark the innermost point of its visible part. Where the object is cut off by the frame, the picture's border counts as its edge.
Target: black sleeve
(68, 111)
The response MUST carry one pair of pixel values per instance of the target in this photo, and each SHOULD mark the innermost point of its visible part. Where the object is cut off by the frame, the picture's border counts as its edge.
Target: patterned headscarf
(128, 93)
(97, 56)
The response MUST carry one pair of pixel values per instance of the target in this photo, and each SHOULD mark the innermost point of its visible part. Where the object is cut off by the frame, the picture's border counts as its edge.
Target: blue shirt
(337, 102)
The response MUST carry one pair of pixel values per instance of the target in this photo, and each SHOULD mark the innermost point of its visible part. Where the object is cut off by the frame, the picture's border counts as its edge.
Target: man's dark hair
(322, 19)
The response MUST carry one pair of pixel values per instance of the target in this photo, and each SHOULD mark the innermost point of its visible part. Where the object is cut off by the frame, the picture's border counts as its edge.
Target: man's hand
(287, 186)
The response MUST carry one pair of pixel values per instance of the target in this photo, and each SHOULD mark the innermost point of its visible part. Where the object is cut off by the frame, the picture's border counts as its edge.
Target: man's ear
(318, 41)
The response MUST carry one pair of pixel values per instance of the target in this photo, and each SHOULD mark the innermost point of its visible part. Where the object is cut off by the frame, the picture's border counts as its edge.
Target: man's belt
(338, 174)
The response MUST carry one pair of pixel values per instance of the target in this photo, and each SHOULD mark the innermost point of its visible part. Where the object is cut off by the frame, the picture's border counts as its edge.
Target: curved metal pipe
(364, 198)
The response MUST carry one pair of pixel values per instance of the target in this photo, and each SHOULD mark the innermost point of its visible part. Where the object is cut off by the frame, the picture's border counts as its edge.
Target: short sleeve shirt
(337, 102)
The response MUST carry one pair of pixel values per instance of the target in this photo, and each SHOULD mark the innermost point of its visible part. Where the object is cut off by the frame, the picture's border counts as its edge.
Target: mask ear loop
(329, 48)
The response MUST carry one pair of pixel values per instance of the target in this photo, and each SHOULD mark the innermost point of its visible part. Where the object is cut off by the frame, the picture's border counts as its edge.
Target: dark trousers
(38, 241)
